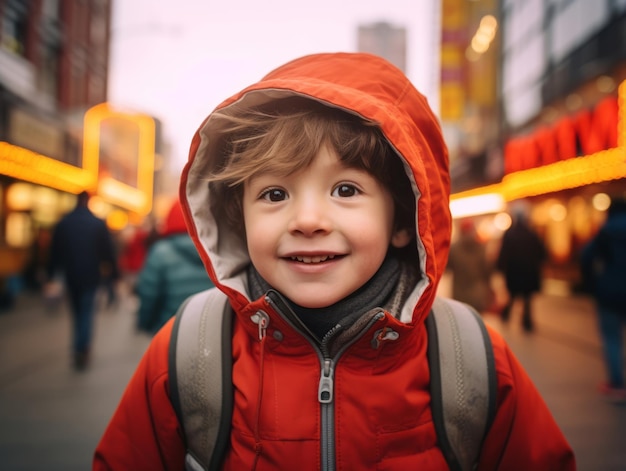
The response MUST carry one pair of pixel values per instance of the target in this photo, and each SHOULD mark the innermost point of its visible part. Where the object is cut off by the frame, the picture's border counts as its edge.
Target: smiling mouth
(313, 259)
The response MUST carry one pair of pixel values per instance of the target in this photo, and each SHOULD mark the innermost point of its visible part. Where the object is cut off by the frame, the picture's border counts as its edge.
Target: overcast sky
(178, 60)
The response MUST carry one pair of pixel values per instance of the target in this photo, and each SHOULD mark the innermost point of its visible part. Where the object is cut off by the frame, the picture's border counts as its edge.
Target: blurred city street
(99, 101)
(52, 417)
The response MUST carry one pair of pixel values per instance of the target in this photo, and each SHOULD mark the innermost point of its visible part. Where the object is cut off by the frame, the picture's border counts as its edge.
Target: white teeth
(315, 259)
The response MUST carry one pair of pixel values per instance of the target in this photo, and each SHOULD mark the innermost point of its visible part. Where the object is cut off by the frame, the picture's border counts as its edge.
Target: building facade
(561, 87)
(58, 136)
(385, 40)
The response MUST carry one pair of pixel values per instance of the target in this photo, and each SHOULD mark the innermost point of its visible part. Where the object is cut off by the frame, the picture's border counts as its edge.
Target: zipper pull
(325, 391)
(262, 320)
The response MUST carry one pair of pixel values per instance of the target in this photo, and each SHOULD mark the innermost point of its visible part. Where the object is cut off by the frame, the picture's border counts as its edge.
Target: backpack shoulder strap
(463, 381)
(200, 377)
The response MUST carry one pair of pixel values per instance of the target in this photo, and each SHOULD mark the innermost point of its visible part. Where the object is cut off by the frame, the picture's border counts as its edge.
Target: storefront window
(50, 70)
(14, 26)
(19, 230)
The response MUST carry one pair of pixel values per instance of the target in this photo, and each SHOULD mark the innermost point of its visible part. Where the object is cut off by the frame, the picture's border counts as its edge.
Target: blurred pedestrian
(172, 272)
(471, 271)
(81, 246)
(135, 251)
(603, 266)
(520, 259)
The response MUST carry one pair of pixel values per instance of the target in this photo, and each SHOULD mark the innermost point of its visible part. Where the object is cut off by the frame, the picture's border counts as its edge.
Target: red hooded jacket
(380, 416)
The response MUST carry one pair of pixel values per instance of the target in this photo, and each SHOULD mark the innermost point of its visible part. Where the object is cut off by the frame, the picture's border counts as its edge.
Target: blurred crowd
(82, 262)
(519, 261)
(157, 263)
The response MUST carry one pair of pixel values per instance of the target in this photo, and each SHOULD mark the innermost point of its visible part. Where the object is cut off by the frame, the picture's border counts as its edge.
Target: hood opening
(358, 84)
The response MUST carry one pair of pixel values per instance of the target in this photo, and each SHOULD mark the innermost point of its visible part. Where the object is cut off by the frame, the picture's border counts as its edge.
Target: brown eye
(345, 191)
(274, 195)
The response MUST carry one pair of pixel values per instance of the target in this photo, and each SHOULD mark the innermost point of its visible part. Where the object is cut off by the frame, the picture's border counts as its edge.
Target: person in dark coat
(81, 248)
(603, 267)
(520, 259)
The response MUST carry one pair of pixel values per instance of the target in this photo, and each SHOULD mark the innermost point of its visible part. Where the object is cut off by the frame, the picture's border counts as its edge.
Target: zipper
(326, 388)
(326, 391)
(325, 397)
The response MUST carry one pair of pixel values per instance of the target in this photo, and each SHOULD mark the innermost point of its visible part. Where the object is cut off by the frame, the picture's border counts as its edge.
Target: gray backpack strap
(463, 381)
(200, 377)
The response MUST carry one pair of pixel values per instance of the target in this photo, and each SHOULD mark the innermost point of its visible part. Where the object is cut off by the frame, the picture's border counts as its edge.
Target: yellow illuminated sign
(133, 193)
(600, 167)
(121, 147)
(24, 164)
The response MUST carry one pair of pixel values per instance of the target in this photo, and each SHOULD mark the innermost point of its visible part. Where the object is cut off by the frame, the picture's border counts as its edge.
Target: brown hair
(285, 135)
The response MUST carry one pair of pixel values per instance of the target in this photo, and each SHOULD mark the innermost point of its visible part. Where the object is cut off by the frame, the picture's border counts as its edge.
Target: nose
(310, 216)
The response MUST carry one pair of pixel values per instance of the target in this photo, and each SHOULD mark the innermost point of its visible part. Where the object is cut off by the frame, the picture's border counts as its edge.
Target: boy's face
(321, 233)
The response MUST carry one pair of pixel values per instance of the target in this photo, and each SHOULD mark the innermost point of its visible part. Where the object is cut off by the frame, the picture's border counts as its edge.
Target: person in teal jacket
(172, 272)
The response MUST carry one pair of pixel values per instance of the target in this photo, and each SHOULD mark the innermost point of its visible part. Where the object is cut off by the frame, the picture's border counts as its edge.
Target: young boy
(318, 200)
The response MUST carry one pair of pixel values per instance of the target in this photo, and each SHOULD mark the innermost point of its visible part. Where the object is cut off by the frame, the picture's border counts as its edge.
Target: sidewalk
(563, 358)
(52, 417)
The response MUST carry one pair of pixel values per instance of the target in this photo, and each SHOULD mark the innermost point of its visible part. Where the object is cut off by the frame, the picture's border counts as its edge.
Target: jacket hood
(361, 84)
